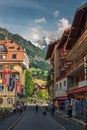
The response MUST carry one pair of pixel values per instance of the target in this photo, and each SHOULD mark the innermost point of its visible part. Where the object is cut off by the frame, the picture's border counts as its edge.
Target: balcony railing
(77, 85)
(75, 65)
(82, 83)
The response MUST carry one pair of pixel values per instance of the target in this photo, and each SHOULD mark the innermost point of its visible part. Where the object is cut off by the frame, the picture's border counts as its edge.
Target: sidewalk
(82, 123)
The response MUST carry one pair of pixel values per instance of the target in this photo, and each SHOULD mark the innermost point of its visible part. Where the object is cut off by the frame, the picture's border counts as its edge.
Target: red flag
(17, 88)
(6, 76)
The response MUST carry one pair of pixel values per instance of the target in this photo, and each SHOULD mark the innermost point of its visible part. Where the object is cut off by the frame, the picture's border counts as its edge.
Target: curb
(10, 128)
(73, 119)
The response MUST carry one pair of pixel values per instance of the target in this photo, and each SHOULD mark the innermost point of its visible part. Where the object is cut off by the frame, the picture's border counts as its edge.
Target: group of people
(18, 108)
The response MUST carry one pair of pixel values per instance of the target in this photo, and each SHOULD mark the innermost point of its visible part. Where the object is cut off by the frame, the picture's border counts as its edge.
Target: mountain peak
(43, 44)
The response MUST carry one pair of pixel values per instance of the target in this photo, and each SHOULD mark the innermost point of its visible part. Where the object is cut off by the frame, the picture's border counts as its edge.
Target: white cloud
(56, 13)
(41, 20)
(34, 33)
(62, 25)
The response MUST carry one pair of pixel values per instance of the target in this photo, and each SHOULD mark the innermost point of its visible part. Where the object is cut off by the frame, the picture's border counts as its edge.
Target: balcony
(82, 83)
(26, 61)
(62, 75)
(73, 67)
(78, 85)
(62, 53)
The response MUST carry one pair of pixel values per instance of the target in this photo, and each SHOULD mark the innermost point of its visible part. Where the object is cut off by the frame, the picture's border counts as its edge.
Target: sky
(34, 19)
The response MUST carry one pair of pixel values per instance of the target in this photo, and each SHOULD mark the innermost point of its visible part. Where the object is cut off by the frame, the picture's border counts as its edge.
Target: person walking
(69, 110)
(36, 108)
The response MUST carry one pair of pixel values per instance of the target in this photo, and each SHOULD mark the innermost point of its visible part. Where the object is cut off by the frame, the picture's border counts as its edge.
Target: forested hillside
(36, 55)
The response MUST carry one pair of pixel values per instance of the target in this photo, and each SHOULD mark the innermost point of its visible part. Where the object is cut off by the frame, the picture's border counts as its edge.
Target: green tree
(48, 82)
(42, 95)
(29, 84)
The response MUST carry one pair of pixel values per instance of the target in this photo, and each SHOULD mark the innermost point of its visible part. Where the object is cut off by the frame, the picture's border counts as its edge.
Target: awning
(61, 98)
(79, 90)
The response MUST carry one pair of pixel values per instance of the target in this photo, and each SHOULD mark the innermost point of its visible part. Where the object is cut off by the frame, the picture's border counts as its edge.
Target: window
(64, 83)
(1, 57)
(1, 101)
(10, 101)
(56, 87)
(60, 86)
(11, 47)
(1, 88)
(14, 56)
(11, 66)
(2, 48)
(0, 76)
(1, 67)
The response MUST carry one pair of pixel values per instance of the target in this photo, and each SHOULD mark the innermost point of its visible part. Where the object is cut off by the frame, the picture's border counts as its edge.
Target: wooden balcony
(78, 85)
(63, 53)
(62, 75)
(75, 65)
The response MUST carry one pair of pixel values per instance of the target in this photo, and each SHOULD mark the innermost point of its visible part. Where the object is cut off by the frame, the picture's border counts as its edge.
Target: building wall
(19, 66)
(61, 87)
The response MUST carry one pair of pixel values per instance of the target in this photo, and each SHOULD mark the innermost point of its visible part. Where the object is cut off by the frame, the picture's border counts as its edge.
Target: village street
(37, 121)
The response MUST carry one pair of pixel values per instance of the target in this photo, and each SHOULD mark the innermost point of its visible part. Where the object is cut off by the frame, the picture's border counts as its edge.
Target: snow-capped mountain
(43, 44)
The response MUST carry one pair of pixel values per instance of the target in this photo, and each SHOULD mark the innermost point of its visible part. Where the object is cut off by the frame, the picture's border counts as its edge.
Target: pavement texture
(7, 121)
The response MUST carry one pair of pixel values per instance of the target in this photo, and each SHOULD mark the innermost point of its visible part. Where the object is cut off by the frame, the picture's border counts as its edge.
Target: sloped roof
(50, 49)
(77, 27)
(64, 37)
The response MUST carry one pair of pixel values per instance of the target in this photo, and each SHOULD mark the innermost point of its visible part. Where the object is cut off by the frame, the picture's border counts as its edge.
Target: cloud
(56, 13)
(41, 20)
(62, 25)
(34, 33)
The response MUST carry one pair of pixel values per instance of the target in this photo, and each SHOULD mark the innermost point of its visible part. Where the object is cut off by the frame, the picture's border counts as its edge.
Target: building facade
(13, 65)
(71, 63)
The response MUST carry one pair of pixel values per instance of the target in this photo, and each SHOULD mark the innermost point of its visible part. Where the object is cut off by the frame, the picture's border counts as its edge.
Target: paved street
(7, 121)
(33, 121)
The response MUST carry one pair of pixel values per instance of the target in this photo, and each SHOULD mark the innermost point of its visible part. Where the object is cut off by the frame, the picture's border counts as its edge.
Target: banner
(6, 76)
(17, 88)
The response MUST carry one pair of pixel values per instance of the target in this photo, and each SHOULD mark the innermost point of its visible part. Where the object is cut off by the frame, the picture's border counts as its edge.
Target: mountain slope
(36, 55)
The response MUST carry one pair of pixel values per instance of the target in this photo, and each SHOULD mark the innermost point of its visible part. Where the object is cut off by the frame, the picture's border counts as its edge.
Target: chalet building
(61, 73)
(77, 47)
(68, 58)
(13, 64)
(51, 53)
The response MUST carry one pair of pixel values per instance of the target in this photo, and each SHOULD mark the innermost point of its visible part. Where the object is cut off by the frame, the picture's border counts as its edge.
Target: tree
(48, 82)
(43, 94)
(29, 84)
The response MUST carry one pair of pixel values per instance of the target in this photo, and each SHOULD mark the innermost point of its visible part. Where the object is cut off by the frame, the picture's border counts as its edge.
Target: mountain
(36, 55)
(43, 44)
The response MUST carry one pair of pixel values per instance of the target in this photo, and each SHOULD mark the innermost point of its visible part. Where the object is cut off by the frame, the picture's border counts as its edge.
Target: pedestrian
(52, 109)
(36, 108)
(45, 111)
(69, 110)
(20, 108)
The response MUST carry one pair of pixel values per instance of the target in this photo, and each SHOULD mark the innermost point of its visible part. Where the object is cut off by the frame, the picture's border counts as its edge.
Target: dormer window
(14, 56)
(2, 48)
(11, 47)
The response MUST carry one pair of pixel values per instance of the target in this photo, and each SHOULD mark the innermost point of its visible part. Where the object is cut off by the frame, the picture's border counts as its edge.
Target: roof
(77, 27)
(50, 49)
(64, 37)
(41, 85)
